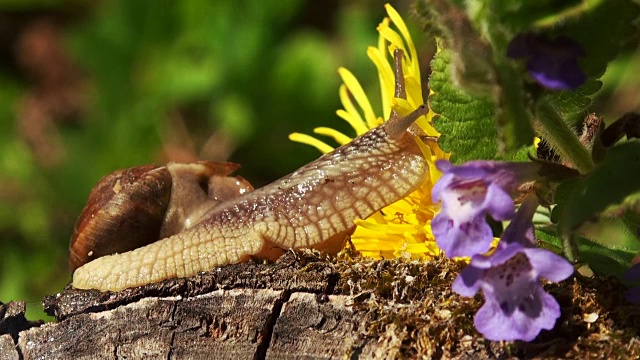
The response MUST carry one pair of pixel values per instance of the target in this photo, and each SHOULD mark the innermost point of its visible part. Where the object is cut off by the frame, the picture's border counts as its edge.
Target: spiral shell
(134, 207)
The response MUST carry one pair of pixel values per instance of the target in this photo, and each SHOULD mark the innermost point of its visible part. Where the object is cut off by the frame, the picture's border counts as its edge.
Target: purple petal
(549, 265)
(523, 321)
(441, 225)
(521, 230)
(633, 273)
(499, 203)
(478, 169)
(444, 165)
(558, 76)
(465, 239)
(570, 45)
(482, 262)
(511, 281)
(440, 186)
(467, 282)
(502, 254)
(520, 47)
(633, 295)
(468, 193)
(552, 63)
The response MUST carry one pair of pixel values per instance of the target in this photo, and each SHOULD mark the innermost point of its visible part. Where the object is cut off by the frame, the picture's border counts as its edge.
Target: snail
(134, 207)
(313, 207)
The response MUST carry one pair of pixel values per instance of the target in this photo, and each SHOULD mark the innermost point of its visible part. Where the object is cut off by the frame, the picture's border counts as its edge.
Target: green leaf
(479, 68)
(466, 122)
(603, 32)
(612, 232)
(606, 261)
(522, 14)
(571, 105)
(610, 184)
(513, 119)
(630, 207)
(176, 76)
(549, 240)
(602, 259)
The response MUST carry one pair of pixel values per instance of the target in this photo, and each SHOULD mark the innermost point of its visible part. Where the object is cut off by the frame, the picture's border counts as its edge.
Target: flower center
(466, 198)
(507, 275)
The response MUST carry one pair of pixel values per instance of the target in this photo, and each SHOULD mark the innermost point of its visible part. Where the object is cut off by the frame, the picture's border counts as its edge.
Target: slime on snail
(201, 226)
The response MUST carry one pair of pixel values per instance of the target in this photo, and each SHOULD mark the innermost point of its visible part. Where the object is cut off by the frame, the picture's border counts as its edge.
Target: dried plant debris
(412, 311)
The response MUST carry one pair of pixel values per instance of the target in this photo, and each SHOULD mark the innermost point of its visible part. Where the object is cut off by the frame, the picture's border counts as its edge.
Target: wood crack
(233, 310)
(267, 333)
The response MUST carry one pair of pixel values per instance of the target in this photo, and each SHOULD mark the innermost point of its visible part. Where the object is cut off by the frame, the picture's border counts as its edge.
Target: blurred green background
(90, 87)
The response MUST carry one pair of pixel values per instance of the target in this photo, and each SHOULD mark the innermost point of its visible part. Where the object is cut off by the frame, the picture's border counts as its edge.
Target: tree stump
(306, 306)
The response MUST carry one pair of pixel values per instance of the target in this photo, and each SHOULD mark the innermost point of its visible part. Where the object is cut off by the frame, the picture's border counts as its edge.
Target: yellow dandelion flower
(402, 229)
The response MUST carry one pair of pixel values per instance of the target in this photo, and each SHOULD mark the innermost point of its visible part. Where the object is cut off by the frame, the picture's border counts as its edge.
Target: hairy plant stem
(562, 139)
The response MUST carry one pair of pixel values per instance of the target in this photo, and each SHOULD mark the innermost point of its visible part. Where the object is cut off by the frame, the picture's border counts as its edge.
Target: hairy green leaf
(571, 105)
(466, 122)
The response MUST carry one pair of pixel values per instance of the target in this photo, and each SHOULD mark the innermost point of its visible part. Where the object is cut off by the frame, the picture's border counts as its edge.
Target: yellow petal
(358, 93)
(351, 114)
(309, 140)
(401, 229)
(402, 106)
(425, 123)
(386, 78)
(386, 228)
(382, 43)
(377, 252)
(414, 248)
(339, 137)
(414, 91)
(364, 233)
(377, 245)
(386, 90)
(402, 27)
(392, 37)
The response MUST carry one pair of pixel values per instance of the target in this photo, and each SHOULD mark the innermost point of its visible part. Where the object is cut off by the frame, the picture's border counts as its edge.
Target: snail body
(313, 207)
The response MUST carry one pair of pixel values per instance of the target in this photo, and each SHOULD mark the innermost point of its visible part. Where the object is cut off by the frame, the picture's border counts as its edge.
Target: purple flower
(521, 229)
(516, 306)
(633, 274)
(469, 192)
(552, 63)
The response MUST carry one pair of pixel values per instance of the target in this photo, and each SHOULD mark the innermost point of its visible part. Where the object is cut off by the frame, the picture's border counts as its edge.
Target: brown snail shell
(137, 206)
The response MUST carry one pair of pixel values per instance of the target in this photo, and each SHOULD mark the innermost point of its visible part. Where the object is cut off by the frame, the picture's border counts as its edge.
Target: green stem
(562, 139)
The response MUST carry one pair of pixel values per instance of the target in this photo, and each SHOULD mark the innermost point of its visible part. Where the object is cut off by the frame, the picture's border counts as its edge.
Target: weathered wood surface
(305, 307)
(244, 311)
(12, 324)
(293, 272)
(222, 324)
(8, 349)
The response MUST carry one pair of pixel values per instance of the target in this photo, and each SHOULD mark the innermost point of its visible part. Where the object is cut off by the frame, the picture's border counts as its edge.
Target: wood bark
(243, 311)
(305, 307)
